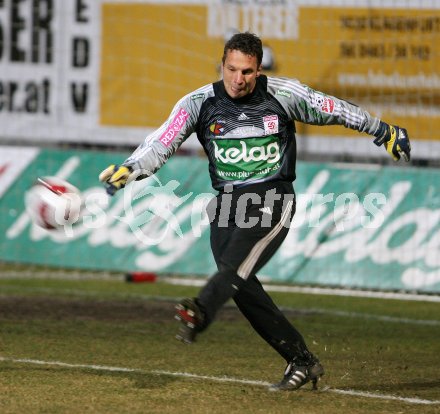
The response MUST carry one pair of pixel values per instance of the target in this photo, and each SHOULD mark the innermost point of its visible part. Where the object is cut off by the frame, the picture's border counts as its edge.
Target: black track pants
(247, 227)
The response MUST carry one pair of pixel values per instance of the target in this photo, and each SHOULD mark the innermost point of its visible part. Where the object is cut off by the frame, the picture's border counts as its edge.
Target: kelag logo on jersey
(241, 159)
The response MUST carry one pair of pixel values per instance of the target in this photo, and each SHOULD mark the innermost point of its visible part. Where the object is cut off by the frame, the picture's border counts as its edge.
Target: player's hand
(115, 177)
(395, 140)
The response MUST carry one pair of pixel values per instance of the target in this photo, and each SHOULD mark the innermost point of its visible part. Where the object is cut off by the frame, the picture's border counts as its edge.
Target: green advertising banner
(114, 233)
(355, 226)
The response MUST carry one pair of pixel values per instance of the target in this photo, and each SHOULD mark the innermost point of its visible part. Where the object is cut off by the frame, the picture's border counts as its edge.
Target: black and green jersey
(250, 139)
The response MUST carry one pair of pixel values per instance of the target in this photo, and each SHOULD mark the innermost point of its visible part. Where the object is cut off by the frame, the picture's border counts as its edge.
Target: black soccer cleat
(190, 318)
(298, 374)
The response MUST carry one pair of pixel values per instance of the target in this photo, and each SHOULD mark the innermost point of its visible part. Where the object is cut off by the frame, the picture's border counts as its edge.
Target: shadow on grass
(420, 385)
(139, 380)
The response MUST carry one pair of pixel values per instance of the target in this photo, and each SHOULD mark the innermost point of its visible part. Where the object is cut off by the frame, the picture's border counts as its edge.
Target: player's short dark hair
(247, 43)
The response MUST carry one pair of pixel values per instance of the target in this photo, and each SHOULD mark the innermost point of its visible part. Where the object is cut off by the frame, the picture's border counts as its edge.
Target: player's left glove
(395, 139)
(115, 177)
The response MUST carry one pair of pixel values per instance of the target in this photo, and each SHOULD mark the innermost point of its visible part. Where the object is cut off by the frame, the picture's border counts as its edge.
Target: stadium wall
(355, 226)
(105, 71)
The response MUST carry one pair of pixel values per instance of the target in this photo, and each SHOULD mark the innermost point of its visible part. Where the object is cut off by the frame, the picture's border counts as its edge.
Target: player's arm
(313, 107)
(156, 149)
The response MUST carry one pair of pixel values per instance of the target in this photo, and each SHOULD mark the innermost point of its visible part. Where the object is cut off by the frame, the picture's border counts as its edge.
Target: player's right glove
(115, 177)
(395, 139)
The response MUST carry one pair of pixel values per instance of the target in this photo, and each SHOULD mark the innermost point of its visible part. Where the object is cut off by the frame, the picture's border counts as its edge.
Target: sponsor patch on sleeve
(322, 103)
(283, 92)
(174, 127)
(198, 96)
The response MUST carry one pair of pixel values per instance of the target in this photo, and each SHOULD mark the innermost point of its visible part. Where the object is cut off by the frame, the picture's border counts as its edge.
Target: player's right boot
(190, 317)
(299, 373)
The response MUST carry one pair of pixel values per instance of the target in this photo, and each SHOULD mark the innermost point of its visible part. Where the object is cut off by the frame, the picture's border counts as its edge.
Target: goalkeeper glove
(115, 177)
(395, 139)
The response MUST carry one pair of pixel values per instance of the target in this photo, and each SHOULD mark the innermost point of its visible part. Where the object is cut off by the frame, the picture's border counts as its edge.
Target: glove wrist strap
(382, 134)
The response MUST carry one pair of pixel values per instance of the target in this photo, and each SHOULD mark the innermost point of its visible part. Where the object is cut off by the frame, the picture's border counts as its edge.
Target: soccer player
(246, 125)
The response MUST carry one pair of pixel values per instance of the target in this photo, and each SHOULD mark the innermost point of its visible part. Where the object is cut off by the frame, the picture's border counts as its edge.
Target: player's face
(240, 72)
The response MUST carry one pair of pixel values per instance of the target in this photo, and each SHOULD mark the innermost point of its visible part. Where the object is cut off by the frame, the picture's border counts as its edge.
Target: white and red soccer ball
(53, 203)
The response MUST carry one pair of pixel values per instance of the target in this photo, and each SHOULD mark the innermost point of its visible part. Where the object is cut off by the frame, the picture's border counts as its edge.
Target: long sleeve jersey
(250, 139)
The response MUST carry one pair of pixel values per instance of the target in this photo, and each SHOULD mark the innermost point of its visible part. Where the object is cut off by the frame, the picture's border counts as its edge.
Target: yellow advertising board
(385, 59)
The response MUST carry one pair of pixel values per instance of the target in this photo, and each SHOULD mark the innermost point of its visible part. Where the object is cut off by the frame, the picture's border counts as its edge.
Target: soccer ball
(52, 203)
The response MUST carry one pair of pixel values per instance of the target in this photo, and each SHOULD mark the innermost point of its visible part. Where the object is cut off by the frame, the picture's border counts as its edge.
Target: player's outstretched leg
(298, 373)
(190, 317)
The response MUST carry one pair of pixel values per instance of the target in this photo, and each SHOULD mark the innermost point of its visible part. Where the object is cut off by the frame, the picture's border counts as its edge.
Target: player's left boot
(299, 373)
(190, 317)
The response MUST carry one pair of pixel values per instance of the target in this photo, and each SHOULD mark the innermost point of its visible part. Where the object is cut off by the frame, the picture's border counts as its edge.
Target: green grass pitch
(104, 346)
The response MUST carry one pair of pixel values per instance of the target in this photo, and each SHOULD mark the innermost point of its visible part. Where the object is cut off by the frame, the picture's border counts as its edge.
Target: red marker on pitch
(140, 277)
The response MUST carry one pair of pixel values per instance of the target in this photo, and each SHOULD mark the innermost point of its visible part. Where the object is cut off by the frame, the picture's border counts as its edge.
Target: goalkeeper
(246, 125)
